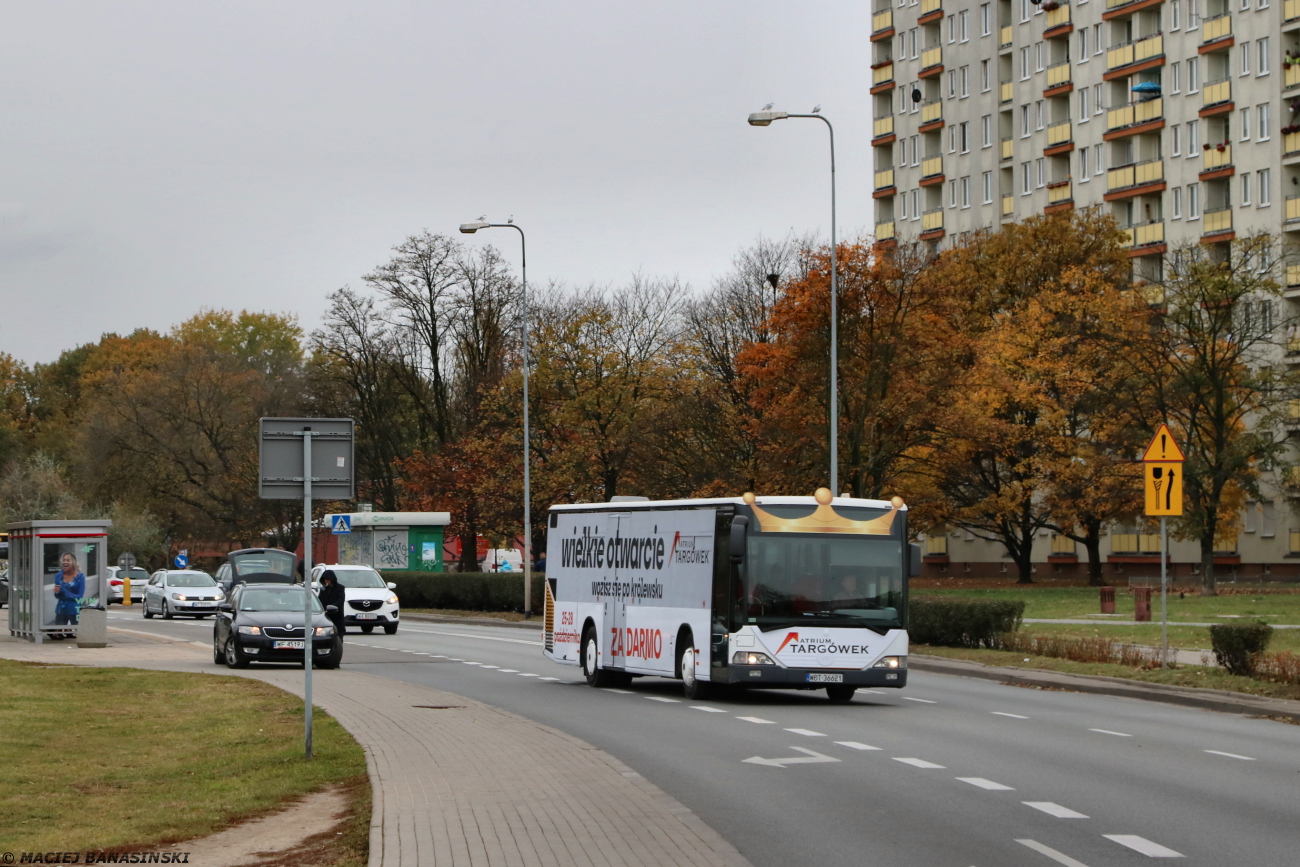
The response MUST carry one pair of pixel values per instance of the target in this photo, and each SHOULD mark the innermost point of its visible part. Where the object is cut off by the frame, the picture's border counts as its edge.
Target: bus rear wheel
(591, 670)
(840, 694)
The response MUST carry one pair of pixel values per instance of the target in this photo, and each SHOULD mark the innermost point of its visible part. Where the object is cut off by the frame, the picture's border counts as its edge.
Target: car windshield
(796, 577)
(190, 579)
(269, 599)
(262, 562)
(365, 578)
(135, 574)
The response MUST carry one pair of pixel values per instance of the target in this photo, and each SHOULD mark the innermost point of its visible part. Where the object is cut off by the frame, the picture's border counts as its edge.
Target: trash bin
(1142, 604)
(92, 628)
(1107, 600)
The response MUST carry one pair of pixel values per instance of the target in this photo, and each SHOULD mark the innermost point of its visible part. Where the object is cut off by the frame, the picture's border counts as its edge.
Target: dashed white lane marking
(508, 670)
(1230, 755)
(808, 733)
(549, 678)
(986, 784)
(1003, 713)
(1058, 857)
(707, 709)
(467, 662)
(463, 635)
(454, 658)
(1143, 845)
(491, 666)
(1109, 732)
(661, 698)
(854, 745)
(921, 700)
(526, 674)
(619, 691)
(1054, 809)
(918, 763)
(872, 691)
(435, 656)
(755, 719)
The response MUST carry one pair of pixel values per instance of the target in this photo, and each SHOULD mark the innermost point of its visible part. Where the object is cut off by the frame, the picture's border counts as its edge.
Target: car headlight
(251, 630)
(324, 630)
(749, 657)
(891, 662)
(179, 598)
(392, 600)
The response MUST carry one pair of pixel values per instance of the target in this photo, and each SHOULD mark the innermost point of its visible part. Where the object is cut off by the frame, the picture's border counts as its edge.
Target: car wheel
(390, 628)
(234, 657)
(367, 629)
(691, 685)
(336, 655)
(166, 611)
(148, 615)
(200, 616)
(217, 656)
(840, 694)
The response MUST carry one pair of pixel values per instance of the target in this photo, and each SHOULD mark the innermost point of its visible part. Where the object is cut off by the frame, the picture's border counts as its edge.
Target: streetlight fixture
(765, 118)
(469, 229)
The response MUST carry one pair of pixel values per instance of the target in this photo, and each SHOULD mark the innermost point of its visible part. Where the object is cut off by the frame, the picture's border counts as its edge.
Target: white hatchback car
(181, 591)
(370, 600)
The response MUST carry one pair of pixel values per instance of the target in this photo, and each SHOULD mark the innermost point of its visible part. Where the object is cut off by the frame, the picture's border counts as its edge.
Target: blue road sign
(342, 525)
(182, 560)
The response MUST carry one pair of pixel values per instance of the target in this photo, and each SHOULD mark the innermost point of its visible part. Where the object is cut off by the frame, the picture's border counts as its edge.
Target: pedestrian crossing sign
(341, 525)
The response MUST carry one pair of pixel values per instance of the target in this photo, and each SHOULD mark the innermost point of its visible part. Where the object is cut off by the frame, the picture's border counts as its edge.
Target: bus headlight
(891, 662)
(749, 657)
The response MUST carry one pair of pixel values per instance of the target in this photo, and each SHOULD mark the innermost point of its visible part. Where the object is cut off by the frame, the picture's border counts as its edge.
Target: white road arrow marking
(811, 758)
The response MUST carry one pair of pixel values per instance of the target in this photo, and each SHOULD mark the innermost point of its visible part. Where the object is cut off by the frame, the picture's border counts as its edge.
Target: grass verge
(113, 758)
(1055, 602)
(1193, 676)
(512, 616)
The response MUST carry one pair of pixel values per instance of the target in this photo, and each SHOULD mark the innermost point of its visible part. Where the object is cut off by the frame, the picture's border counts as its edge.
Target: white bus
(774, 592)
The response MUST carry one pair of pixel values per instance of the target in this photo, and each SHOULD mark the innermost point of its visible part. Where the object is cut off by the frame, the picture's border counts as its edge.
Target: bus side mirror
(913, 560)
(739, 527)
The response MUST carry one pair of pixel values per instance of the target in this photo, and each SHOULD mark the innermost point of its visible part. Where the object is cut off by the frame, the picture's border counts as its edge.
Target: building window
(1245, 58)
(1083, 165)
(902, 212)
(1097, 46)
(1025, 180)
(1038, 110)
(965, 192)
(1097, 106)
(986, 20)
(1099, 165)
(1193, 15)
(1193, 201)
(986, 128)
(1024, 121)
(1040, 165)
(952, 84)
(952, 193)
(1024, 11)
(988, 188)
(1193, 138)
(952, 29)
(1024, 63)
(1174, 70)
(1194, 75)
(952, 138)
(1245, 124)
(965, 82)
(1262, 121)
(1268, 517)
(964, 135)
(916, 204)
(1038, 56)
(1245, 189)
(1084, 114)
(1261, 56)
(1178, 203)
(986, 79)
(1265, 188)
(1263, 4)
(915, 43)
(1083, 45)
(1176, 139)
(916, 150)
(963, 26)
(1175, 20)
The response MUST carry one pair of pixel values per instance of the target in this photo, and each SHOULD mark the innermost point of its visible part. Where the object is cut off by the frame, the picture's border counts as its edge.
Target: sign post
(1162, 470)
(125, 563)
(326, 471)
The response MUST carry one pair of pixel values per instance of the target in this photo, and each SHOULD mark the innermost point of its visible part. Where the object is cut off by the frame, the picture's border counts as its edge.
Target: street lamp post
(765, 118)
(469, 229)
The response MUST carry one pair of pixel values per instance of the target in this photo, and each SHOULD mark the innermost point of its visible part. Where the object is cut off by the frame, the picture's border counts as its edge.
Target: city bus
(753, 592)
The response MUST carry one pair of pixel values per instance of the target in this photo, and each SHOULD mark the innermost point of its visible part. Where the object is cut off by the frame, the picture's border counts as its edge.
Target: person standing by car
(69, 587)
(332, 594)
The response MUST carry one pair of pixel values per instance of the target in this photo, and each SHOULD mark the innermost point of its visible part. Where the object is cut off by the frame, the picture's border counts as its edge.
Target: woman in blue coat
(69, 587)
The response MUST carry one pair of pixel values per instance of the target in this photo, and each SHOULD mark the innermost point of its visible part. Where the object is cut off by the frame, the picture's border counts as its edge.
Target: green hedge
(466, 591)
(1238, 645)
(955, 622)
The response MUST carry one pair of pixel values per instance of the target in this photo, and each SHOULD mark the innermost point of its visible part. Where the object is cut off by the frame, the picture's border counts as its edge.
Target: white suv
(370, 600)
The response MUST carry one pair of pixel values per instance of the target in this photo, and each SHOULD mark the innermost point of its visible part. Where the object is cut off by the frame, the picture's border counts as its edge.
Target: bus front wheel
(693, 687)
(840, 694)
(591, 670)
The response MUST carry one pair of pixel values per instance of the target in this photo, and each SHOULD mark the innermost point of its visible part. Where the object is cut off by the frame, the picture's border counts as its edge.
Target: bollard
(1108, 600)
(92, 628)
(1142, 604)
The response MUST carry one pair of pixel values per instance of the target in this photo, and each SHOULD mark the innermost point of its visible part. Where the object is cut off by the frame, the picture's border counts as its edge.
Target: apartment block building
(1180, 117)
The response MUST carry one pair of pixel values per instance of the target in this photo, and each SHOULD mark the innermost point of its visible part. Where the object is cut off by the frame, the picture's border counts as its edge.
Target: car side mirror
(331, 608)
(392, 586)
(224, 606)
(913, 560)
(736, 546)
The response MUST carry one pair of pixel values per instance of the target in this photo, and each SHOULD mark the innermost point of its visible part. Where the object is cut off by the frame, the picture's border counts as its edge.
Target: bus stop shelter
(36, 549)
(390, 540)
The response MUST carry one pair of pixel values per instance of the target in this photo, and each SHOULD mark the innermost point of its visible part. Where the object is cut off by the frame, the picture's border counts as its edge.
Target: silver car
(188, 592)
(116, 580)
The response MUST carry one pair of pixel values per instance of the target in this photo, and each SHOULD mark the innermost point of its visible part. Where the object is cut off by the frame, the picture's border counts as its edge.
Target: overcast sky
(159, 158)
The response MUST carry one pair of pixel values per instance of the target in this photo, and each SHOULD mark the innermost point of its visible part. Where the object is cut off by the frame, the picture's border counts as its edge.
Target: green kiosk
(410, 541)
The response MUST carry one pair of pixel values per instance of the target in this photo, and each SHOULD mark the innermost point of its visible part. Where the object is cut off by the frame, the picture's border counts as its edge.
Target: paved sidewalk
(456, 781)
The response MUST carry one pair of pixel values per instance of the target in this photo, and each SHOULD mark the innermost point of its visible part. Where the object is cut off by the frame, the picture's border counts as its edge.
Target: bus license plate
(367, 617)
(825, 678)
(289, 645)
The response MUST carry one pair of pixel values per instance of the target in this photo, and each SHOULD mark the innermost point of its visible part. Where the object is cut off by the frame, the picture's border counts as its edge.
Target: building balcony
(885, 231)
(883, 126)
(1291, 142)
(1007, 92)
(1008, 206)
(932, 221)
(1120, 8)
(1293, 271)
(883, 74)
(1058, 75)
(884, 180)
(1139, 51)
(1059, 192)
(1292, 420)
(931, 167)
(882, 22)
(931, 59)
(1133, 178)
(1293, 222)
(1216, 222)
(1059, 134)
(1006, 35)
(930, 7)
(1135, 114)
(1056, 18)
(1145, 234)
(1216, 29)
(1008, 148)
(1216, 157)
(931, 111)
(1216, 93)
(1291, 10)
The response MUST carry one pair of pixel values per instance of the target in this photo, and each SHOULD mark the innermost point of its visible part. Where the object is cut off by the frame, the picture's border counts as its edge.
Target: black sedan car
(263, 623)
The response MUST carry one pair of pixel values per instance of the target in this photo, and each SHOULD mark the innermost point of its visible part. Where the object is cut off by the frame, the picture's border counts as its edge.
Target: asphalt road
(948, 771)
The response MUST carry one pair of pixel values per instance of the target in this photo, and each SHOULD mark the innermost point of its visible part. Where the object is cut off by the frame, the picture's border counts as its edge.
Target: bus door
(617, 622)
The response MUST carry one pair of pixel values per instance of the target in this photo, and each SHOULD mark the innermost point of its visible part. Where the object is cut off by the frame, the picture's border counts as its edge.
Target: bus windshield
(832, 578)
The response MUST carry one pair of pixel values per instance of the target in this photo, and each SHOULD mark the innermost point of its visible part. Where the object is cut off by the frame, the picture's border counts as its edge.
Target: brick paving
(465, 784)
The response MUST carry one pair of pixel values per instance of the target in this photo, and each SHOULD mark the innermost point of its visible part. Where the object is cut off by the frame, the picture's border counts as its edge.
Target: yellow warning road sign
(1164, 488)
(1162, 447)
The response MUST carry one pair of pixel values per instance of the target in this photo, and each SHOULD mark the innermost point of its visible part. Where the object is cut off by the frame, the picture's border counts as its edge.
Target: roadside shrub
(1094, 649)
(466, 591)
(1281, 667)
(1238, 645)
(953, 622)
